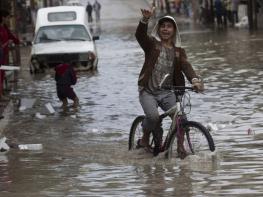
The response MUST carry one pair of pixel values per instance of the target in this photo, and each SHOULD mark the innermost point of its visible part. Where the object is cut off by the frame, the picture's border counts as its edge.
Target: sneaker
(146, 148)
(138, 145)
(156, 150)
(182, 153)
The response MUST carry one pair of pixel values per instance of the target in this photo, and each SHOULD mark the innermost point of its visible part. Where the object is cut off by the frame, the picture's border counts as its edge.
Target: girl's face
(166, 31)
(6, 20)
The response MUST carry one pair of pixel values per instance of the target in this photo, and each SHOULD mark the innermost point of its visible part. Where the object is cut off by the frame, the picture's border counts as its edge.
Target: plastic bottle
(30, 146)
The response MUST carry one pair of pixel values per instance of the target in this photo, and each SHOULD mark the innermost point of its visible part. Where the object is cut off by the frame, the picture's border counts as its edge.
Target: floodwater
(85, 152)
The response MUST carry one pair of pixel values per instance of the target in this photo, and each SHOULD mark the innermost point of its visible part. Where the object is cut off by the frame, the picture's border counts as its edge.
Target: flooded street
(85, 152)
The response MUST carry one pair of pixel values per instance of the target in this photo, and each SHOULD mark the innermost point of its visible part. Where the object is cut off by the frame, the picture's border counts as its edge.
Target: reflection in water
(85, 152)
(5, 180)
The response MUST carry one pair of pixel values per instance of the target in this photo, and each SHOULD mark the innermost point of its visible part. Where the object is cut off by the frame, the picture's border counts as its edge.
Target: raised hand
(148, 13)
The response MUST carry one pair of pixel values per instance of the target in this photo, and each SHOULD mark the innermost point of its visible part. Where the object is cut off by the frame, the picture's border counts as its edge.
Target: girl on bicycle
(163, 55)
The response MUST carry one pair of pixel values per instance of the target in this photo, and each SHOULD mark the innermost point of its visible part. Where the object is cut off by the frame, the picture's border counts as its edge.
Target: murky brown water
(85, 152)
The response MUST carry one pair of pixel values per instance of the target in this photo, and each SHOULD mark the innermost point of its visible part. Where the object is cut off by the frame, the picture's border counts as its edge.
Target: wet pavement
(85, 152)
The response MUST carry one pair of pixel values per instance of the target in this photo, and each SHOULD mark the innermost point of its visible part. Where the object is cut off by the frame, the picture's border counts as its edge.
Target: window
(62, 32)
(62, 16)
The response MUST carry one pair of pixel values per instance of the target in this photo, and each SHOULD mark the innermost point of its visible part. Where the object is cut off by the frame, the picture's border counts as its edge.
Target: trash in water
(22, 108)
(212, 127)
(40, 116)
(27, 103)
(50, 108)
(243, 23)
(73, 116)
(14, 93)
(3, 145)
(30, 146)
(95, 130)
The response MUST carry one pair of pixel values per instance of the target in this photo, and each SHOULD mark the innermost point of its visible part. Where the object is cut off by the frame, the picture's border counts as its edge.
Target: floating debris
(40, 116)
(73, 116)
(50, 108)
(22, 108)
(3, 145)
(26, 103)
(212, 127)
(30, 146)
(95, 130)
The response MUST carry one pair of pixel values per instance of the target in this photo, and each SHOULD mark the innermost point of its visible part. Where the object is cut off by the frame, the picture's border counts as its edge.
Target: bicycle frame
(176, 110)
(177, 113)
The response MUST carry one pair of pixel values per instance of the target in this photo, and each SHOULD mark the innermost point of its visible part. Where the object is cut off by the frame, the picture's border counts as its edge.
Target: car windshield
(62, 32)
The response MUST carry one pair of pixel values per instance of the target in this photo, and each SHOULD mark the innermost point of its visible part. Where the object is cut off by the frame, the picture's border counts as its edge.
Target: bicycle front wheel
(136, 132)
(197, 139)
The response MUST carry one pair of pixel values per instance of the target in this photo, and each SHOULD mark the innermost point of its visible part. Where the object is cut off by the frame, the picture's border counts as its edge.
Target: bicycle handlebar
(178, 88)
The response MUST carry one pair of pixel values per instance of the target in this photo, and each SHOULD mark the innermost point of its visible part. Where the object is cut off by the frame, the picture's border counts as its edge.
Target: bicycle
(198, 138)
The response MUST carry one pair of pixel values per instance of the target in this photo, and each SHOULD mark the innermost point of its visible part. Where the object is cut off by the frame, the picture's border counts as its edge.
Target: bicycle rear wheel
(197, 139)
(136, 132)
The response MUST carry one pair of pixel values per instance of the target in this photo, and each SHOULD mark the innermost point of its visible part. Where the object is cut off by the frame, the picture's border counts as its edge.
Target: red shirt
(5, 36)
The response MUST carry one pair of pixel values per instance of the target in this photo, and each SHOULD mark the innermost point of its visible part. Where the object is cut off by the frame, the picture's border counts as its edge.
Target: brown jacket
(151, 49)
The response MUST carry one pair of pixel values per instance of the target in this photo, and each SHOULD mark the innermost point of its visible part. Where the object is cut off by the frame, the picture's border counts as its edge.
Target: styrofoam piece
(50, 108)
(30, 146)
(3, 144)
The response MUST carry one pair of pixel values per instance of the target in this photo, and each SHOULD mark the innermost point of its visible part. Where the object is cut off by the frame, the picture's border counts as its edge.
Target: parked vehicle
(63, 31)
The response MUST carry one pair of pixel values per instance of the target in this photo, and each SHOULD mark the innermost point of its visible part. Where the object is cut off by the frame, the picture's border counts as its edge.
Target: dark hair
(162, 20)
(3, 13)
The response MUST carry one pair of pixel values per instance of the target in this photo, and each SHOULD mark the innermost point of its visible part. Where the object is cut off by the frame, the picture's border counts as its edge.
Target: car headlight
(91, 56)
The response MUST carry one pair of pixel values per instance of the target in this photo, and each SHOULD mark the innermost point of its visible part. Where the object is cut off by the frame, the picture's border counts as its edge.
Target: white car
(63, 31)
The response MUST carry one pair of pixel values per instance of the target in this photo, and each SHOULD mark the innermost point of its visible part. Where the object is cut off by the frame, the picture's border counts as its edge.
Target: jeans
(150, 102)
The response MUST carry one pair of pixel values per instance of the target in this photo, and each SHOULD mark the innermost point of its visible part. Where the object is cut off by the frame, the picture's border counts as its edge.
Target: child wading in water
(65, 77)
